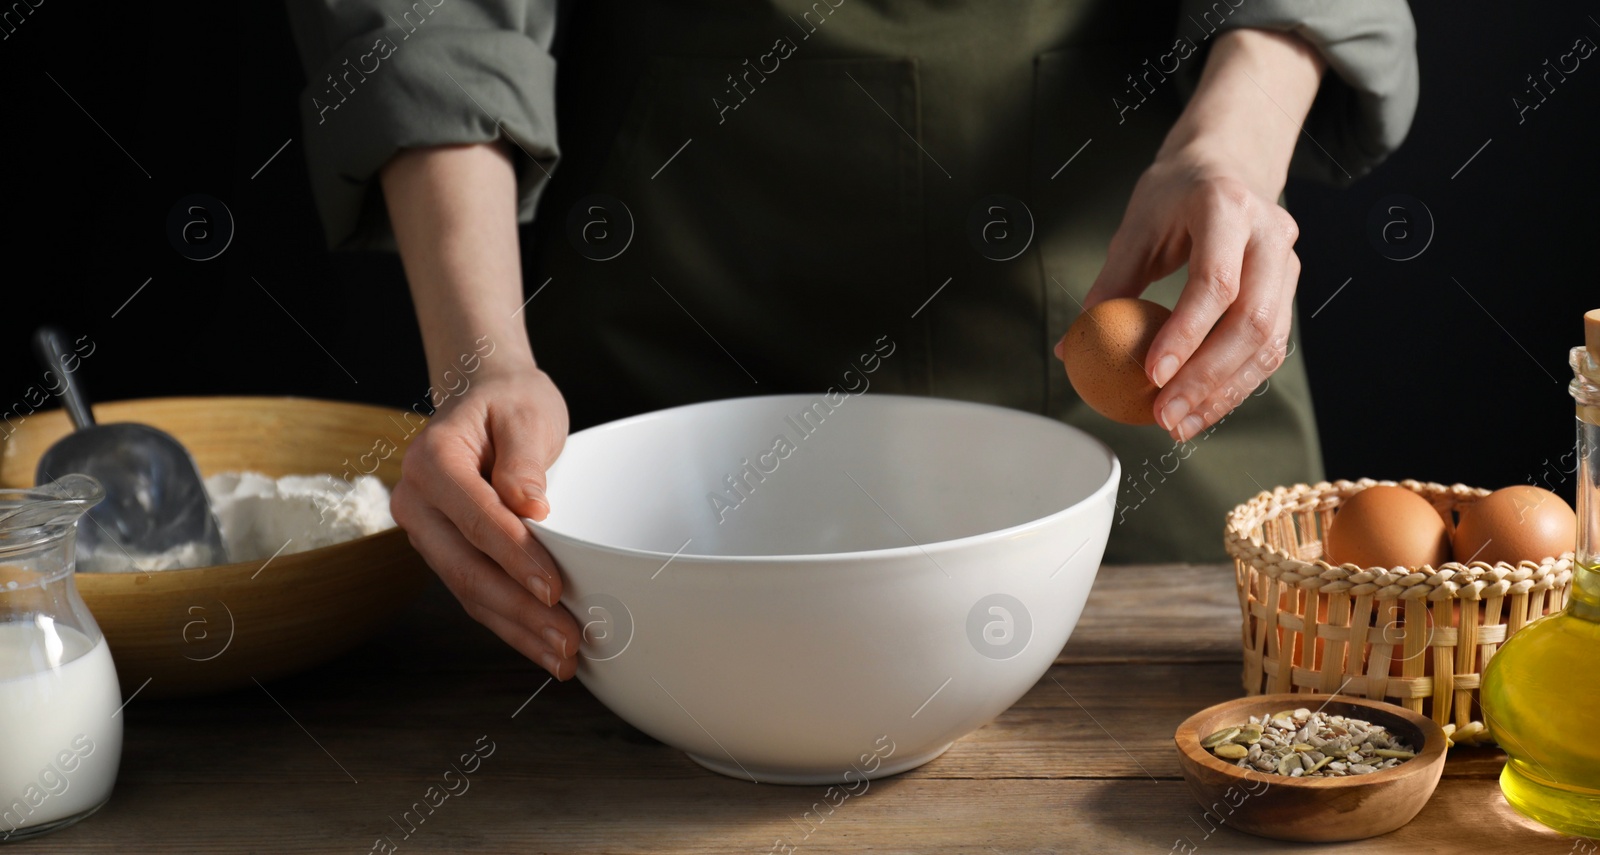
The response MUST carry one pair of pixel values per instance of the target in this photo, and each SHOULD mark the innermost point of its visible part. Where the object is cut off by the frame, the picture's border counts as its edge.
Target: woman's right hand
(467, 478)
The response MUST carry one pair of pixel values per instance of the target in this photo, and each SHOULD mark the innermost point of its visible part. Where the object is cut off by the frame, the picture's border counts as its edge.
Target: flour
(113, 559)
(262, 517)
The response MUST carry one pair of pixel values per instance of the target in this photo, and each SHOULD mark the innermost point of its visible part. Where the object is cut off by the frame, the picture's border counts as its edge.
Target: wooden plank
(495, 812)
(1159, 613)
(392, 725)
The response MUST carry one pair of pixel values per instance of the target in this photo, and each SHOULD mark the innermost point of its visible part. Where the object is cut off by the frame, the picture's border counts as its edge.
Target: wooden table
(328, 761)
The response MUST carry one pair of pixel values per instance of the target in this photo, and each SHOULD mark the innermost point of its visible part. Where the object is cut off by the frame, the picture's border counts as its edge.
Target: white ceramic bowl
(890, 574)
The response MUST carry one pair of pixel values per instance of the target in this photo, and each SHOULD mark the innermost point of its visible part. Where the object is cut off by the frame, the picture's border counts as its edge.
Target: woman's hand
(469, 475)
(1209, 200)
(479, 464)
(1230, 327)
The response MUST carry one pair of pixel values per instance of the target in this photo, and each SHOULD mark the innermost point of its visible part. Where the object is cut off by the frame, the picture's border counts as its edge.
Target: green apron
(809, 182)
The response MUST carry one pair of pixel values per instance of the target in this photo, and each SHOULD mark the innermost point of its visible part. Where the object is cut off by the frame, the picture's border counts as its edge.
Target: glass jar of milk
(60, 727)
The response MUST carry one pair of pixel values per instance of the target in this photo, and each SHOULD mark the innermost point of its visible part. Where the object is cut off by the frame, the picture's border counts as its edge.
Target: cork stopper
(1591, 334)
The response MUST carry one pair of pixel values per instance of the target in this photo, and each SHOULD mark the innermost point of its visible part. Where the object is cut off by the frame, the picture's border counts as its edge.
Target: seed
(1305, 744)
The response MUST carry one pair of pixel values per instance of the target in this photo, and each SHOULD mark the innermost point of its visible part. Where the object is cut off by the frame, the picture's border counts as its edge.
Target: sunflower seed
(1305, 744)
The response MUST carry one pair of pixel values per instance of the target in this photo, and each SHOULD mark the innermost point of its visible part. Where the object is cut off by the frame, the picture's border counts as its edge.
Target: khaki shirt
(756, 198)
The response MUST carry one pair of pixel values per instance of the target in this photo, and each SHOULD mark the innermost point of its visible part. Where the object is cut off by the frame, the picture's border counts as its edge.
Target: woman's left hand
(1209, 200)
(1230, 328)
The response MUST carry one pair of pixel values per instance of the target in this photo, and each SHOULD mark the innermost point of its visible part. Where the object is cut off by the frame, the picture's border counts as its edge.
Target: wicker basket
(1312, 627)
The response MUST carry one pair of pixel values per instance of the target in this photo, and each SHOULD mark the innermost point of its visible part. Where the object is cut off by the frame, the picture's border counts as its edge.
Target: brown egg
(1104, 351)
(1387, 527)
(1512, 524)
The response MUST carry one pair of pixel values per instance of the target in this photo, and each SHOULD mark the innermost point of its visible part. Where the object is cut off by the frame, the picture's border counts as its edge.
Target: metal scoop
(156, 508)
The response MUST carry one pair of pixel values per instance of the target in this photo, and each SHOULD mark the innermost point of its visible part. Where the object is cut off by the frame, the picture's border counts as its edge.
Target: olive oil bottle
(1541, 691)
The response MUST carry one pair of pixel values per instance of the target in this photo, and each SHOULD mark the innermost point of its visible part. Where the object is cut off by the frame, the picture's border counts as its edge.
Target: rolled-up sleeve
(386, 76)
(1366, 103)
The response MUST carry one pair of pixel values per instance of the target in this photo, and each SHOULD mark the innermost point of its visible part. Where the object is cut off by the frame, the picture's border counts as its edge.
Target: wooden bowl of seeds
(1311, 767)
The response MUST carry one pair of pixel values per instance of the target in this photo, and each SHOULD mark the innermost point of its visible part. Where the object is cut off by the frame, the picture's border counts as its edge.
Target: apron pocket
(777, 236)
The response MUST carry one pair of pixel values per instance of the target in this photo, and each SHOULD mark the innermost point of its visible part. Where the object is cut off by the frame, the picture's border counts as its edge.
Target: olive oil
(1541, 691)
(1540, 694)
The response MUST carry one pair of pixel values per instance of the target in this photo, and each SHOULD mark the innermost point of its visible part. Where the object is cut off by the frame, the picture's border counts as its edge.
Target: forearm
(454, 214)
(1248, 108)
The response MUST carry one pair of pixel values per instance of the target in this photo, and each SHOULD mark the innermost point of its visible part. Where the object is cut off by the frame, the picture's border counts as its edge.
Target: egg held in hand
(1512, 524)
(1104, 352)
(1384, 526)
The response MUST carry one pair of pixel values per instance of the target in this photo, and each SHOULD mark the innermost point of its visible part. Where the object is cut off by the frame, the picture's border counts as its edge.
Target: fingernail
(1174, 413)
(1191, 426)
(532, 493)
(556, 639)
(541, 589)
(1165, 368)
(549, 662)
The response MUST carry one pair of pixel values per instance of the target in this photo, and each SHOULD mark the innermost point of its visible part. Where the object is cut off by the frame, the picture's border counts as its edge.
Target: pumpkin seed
(1225, 735)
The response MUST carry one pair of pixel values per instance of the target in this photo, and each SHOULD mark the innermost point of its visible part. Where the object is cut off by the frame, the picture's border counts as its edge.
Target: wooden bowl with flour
(209, 629)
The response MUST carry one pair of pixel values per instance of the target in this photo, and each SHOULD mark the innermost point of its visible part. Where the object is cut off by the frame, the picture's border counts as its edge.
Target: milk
(59, 744)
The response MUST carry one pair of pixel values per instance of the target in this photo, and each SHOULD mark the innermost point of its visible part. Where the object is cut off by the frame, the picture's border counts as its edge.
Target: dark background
(1449, 366)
